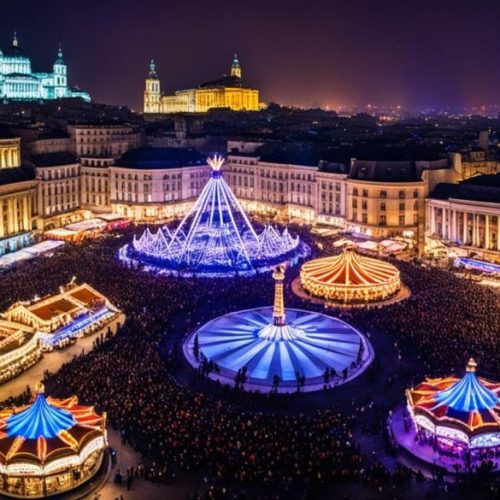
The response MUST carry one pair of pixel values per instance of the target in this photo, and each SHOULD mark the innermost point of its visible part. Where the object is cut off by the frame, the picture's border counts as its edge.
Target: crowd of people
(240, 443)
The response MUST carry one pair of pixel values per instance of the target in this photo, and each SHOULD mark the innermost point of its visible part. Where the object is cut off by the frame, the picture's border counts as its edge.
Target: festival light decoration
(215, 238)
(49, 446)
(350, 277)
(466, 410)
(271, 342)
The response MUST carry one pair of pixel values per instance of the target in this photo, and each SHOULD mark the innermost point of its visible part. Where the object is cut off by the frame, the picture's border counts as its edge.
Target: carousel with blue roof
(453, 422)
(49, 446)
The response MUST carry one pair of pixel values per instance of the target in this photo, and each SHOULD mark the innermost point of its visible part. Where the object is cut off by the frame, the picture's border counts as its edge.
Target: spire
(59, 59)
(235, 67)
(152, 69)
(471, 366)
(279, 318)
(14, 40)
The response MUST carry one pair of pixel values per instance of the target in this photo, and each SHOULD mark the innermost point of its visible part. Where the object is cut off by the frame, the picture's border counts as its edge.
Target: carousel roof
(349, 269)
(471, 400)
(39, 420)
(47, 428)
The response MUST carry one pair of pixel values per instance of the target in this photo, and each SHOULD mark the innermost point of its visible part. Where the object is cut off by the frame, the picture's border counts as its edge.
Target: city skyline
(296, 53)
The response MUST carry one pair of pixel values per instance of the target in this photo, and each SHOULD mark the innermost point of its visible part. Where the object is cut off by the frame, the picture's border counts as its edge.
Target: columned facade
(10, 153)
(466, 223)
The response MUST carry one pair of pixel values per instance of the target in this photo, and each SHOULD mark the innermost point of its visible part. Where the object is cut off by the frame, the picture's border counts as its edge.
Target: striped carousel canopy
(471, 400)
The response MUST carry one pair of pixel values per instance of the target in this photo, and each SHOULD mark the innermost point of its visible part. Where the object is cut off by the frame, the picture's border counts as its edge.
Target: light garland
(455, 408)
(350, 277)
(216, 237)
(74, 434)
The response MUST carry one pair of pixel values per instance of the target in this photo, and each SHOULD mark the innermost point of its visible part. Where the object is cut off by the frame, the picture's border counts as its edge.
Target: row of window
(63, 173)
(364, 205)
(402, 220)
(383, 193)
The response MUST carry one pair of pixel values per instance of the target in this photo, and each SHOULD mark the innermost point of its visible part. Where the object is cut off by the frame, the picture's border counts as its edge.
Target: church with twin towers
(226, 92)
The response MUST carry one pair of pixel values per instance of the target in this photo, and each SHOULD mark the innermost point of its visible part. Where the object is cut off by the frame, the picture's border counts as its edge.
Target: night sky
(419, 54)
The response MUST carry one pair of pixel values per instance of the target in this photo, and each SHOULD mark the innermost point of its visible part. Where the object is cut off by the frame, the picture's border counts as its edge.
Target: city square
(282, 282)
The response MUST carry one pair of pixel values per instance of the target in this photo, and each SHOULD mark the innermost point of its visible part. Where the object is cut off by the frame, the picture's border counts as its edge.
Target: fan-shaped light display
(49, 446)
(216, 238)
(465, 411)
(272, 345)
(350, 277)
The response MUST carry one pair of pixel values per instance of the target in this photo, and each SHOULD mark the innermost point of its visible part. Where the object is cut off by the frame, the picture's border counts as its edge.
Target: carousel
(49, 446)
(458, 415)
(350, 278)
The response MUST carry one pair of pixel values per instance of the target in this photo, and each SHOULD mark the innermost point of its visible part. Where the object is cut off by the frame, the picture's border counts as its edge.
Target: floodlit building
(226, 92)
(157, 183)
(18, 82)
(104, 140)
(18, 196)
(467, 213)
(58, 189)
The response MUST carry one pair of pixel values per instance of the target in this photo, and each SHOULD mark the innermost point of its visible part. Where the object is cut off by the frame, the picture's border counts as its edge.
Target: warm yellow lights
(350, 277)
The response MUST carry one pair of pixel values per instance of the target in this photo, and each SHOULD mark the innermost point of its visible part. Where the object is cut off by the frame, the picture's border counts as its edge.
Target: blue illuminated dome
(216, 238)
(467, 395)
(41, 419)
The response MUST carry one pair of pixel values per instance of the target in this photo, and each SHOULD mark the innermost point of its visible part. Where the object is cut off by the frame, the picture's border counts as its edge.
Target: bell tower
(60, 75)
(152, 90)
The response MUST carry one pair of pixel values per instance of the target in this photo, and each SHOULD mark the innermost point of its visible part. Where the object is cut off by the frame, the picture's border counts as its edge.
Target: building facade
(150, 184)
(18, 82)
(101, 140)
(111, 174)
(58, 188)
(226, 92)
(467, 213)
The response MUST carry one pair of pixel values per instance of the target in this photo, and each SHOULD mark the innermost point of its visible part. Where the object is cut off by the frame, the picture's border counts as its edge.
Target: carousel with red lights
(49, 446)
(453, 422)
(349, 279)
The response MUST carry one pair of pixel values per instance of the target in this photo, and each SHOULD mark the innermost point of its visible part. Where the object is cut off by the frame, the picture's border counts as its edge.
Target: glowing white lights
(216, 238)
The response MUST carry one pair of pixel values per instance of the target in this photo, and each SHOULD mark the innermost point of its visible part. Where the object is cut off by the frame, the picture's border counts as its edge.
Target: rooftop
(16, 174)
(384, 171)
(161, 158)
(480, 188)
(53, 159)
(225, 81)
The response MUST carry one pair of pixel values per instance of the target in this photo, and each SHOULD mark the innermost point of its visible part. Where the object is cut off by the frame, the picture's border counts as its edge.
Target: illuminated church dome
(215, 238)
(465, 411)
(18, 81)
(274, 346)
(49, 446)
(350, 277)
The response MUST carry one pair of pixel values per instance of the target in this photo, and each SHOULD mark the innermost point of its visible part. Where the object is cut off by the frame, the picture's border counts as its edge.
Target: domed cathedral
(19, 83)
(226, 92)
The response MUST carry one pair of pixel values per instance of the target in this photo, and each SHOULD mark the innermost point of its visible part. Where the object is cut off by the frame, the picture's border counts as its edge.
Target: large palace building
(18, 81)
(226, 92)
